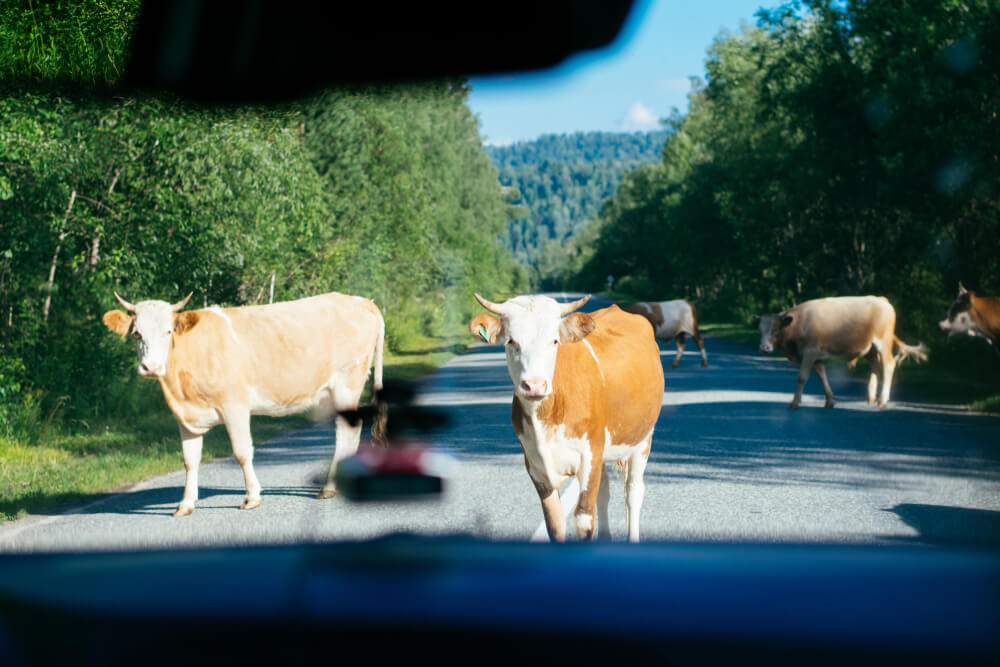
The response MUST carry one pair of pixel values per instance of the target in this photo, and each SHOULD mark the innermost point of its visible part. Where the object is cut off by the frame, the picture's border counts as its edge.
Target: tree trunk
(55, 259)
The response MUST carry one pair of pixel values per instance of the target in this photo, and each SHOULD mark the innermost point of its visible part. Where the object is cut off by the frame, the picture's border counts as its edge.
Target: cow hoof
(829, 404)
(326, 493)
(249, 504)
(184, 510)
(881, 404)
(704, 364)
(793, 406)
(673, 366)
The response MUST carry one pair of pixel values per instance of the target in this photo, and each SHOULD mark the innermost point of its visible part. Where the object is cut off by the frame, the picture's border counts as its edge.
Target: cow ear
(118, 321)
(756, 318)
(961, 289)
(185, 321)
(575, 327)
(486, 327)
(785, 320)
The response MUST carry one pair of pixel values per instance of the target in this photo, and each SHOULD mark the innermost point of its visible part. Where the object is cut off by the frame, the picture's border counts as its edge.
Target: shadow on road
(950, 526)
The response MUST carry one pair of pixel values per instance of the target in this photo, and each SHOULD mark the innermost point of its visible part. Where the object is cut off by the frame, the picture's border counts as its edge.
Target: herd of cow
(588, 387)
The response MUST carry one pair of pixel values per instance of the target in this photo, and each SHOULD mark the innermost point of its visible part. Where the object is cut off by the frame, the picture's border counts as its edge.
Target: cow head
(770, 327)
(959, 320)
(531, 329)
(151, 324)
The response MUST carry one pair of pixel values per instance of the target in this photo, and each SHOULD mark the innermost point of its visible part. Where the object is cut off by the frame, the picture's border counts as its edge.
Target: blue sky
(627, 86)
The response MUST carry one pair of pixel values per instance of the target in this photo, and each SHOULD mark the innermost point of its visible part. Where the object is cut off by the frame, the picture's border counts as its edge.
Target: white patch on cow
(677, 317)
(218, 311)
(552, 456)
(531, 324)
(596, 360)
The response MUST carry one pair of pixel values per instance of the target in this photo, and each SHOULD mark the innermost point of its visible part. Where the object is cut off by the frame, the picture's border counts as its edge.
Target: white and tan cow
(221, 365)
(846, 327)
(587, 391)
(675, 319)
(974, 315)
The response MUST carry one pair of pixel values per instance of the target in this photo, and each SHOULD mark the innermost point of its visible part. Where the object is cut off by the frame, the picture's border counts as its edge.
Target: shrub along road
(729, 462)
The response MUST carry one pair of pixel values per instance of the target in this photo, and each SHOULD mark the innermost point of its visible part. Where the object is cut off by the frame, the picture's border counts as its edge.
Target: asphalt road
(729, 463)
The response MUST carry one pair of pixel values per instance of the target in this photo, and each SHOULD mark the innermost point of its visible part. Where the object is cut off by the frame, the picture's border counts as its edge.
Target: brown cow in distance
(846, 327)
(974, 315)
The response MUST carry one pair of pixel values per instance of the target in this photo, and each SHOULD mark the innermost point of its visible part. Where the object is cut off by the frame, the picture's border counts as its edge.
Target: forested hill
(558, 183)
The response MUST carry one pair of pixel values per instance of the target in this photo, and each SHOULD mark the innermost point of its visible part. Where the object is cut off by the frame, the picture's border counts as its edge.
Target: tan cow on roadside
(974, 315)
(221, 365)
(587, 391)
(675, 319)
(846, 327)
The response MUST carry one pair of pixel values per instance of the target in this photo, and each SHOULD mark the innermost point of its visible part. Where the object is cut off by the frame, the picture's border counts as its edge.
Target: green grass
(54, 469)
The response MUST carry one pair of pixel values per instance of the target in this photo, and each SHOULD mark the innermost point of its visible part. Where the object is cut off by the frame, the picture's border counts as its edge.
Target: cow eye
(511, 342)
(136, 335)
(555, 342)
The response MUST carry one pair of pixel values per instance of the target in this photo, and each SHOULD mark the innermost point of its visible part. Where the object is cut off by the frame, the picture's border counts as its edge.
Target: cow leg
(590, 487)
(191, 446)
(552, 511)
(635, 488)
(875, 362)
(700, 342)
(239, 436)
(347, 440)
(603, 520)
(681, 340)
(888, 368)
(808, 360)
(346, 396)
(821, 372)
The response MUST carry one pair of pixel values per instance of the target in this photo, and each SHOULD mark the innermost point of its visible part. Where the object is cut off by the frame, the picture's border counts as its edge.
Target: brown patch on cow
(629, 361)
(490, 324)
(118, 321)
(653, 313)
(575, 327)
(184, 322)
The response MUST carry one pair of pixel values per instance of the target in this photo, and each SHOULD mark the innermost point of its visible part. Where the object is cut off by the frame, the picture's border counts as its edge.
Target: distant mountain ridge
(563, 179)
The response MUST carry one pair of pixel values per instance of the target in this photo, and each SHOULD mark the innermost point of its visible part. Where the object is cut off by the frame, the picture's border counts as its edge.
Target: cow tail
(918, 352)
(380, 423)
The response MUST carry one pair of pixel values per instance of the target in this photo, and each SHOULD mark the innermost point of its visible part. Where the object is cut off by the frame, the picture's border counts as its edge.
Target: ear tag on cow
(482, 333)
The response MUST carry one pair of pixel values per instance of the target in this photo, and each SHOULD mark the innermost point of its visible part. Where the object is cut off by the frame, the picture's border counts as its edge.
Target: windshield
(771, 208)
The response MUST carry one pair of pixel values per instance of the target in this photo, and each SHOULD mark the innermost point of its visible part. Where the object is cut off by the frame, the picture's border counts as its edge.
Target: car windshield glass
(728, 274)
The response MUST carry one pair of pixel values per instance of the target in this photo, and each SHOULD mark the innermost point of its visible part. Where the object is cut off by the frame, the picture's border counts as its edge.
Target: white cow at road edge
(221, 365)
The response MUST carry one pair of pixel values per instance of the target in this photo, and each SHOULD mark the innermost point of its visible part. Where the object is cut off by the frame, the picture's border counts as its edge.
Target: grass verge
(56, 469)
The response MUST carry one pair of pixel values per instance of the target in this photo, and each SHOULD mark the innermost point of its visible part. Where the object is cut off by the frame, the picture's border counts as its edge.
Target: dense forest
(557, 183)
(379, 191)
(834, 148)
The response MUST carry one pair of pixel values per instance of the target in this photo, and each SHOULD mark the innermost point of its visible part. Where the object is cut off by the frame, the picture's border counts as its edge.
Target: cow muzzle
(945, 326)
(534, 388)
(151, 369)
(766, 348)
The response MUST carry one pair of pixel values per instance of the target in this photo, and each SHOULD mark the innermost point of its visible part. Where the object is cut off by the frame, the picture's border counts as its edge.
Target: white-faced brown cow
(587, 391)
(847, 327)
(974, 315)
(675, 319)
(221, 365)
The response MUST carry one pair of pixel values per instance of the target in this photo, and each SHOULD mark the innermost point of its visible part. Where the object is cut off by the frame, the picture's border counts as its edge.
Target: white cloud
(640, 118)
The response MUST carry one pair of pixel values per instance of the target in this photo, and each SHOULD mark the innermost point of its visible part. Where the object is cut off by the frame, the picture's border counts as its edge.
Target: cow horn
(488, 305)
(568, 308)
(961, 288)
(180, 304)
(125, 304)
